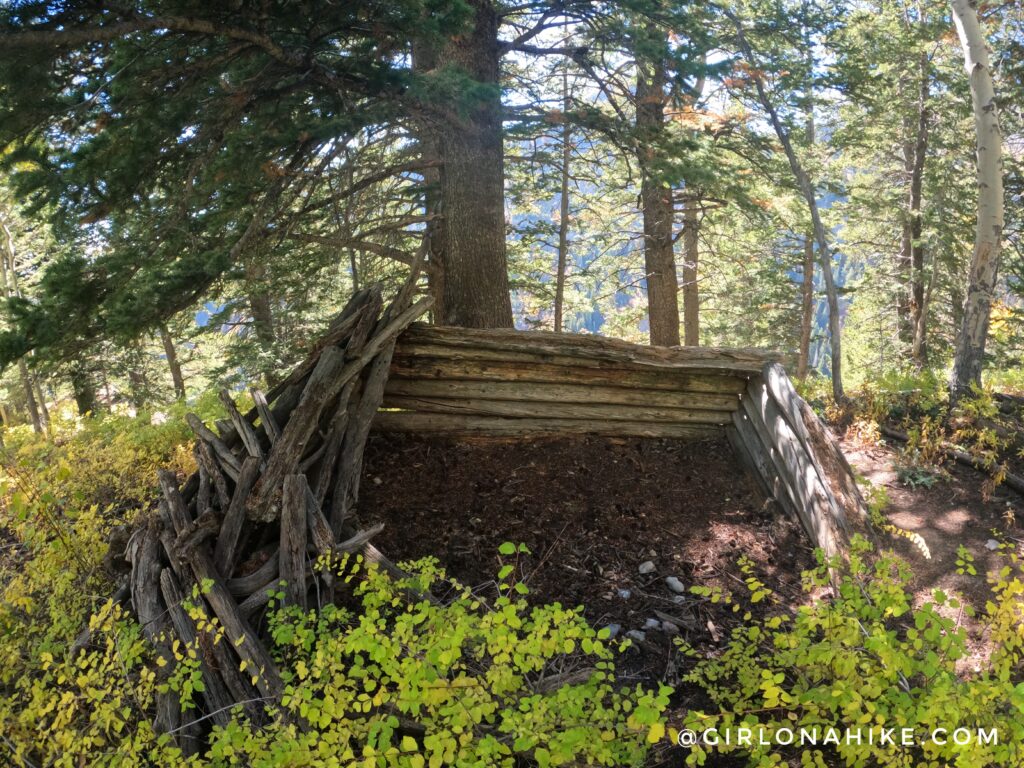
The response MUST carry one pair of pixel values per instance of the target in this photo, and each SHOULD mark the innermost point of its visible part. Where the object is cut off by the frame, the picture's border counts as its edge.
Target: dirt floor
(592, 511)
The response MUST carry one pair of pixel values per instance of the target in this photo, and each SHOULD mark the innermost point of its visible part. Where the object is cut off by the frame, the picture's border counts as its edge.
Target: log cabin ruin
(279, 483)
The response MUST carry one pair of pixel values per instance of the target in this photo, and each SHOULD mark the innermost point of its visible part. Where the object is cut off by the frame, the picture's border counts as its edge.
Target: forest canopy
(790, 175)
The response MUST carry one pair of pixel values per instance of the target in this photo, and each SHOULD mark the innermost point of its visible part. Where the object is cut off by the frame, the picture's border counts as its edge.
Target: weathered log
(762, 456)
(817, 512)
(542, 392)
(241, 425)
(227, 542)
(778, 463)
(210, 470)
(224, 455)
(416, 367)
(236, 628)
(325, 383)
(525, 354)
(218, 700)
(320, 534)
(544, 410)
(242, 586)
(350, 462)
(324, 470)
(340, 328)
(848, 506)
(293, 540)
(579, 349)
(144, 554)
(267, 420)
(750, 464)
(224, 663)
(452, 424)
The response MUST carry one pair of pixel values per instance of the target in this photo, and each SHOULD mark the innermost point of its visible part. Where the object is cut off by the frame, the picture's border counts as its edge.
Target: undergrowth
(394, 680)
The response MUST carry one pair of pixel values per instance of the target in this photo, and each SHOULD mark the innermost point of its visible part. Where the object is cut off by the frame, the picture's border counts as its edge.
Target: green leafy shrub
(411, 682)
(480, 684)
(869, 659)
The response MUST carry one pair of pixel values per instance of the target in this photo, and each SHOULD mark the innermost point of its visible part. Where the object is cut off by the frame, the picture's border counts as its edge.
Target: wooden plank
(546, 410)
(542, 392)
(824, 450)
(227, 459)
(267, 421)
(242, 586)
(333, 371)
(430, 423)
(739, 448)
(794, 467)
(762, 460)
(293, 539)
(434, 368)
(837, 479)
(583, 347)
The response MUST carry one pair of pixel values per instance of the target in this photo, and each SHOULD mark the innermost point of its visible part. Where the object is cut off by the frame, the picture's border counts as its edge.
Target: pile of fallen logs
(274, 490)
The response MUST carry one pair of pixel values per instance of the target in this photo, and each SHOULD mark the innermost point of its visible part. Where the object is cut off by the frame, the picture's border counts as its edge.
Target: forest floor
(956, 509)
(592, 511)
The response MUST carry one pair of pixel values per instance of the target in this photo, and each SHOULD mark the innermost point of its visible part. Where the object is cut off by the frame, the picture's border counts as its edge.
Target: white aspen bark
(970, 346)
(563, 207)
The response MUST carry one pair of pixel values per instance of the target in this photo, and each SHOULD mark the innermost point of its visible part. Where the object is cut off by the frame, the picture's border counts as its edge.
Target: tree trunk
(919, 349)
(806, 188)
(7, 266)
(970, 345)
(172, 362)
(691, 256)
(30, 397)
(658, 208)
(84, 390)
(806, 309)
(424, 60)
(472, 182)
(262, 317)
(563, 207)
(44, 412)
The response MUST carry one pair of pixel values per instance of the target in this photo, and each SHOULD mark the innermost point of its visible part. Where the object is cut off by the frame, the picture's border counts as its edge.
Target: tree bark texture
(970, 345)
(563, 209)
(806, 309)
(658, 208)
(472, 181)
(172, 362)
(691, 259)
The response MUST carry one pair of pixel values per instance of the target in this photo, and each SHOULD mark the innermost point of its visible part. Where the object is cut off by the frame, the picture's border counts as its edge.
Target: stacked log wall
(502, 383)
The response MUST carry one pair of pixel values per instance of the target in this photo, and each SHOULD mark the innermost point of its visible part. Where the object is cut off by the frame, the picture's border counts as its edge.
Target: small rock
(669, 628)
(613, 631)
(646, 567)
(625, 594)
(636, 634)
(992, 545)
(675, 585)
(679, 599)
(377, 481)
(652, 624)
